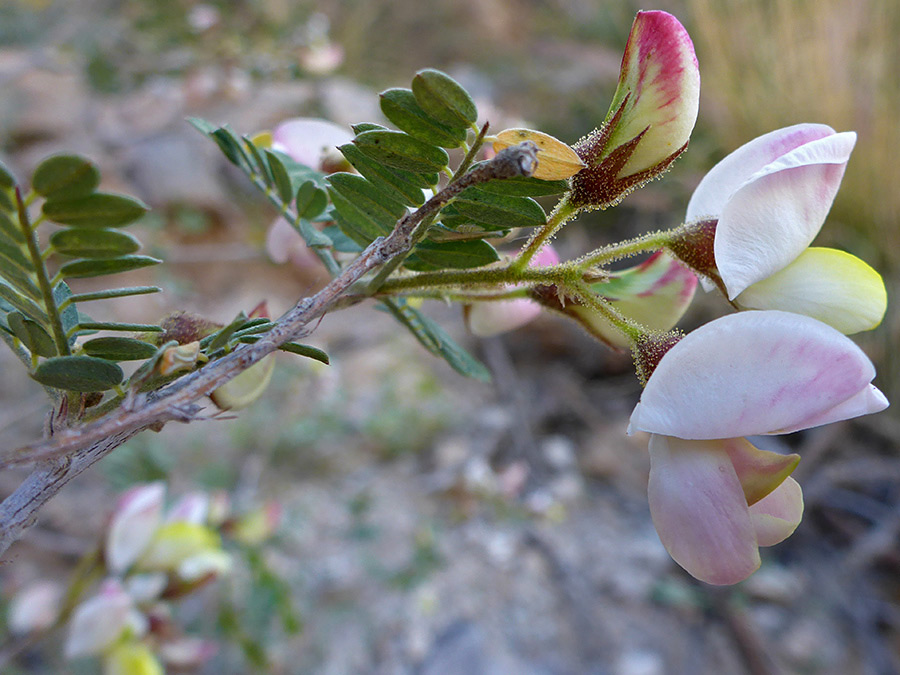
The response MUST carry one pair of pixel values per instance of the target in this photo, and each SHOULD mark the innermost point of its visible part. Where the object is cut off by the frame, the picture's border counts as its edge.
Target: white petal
(699, 510)
(867, 402)
(98, 621)
(133, 524)
(307, 140)
(728, 175)
(775, 215)
(752, 373)
(191, 508)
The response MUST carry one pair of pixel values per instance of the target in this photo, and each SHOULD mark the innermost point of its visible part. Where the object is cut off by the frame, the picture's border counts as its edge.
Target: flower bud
(257, 526)
(651, 117)
(654, 294)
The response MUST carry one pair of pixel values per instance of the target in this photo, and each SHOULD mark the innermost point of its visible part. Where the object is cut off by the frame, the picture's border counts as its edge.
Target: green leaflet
(112, 293)
(69, 314)
(33, 336)
(280, 176)
(364, 211)
(430, 255)
(78, 373)
(405, 185)
(402, 109)
(119, 349)
(65, 177)
(499, 211)
(311, 200)
(444, 99)
(307, 351)
(437, 341)
(95, 268)
(10, 230)
(98, 209)
(99, 242)
(401, 151)
(7, 180)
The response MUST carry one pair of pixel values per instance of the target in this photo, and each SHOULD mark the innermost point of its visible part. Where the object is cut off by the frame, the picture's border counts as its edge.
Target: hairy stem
(563, 212)
(652, 241)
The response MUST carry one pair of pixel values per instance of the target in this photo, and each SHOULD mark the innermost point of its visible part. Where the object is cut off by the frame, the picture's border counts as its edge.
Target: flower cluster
(782, 363)
(779, 365)
(150, 556)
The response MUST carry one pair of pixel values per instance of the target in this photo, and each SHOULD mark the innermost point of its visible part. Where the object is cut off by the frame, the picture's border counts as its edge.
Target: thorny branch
(69, 451)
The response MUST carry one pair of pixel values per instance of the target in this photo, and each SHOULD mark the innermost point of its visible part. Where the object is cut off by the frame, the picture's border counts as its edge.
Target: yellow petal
(832, 286)
(556, 160)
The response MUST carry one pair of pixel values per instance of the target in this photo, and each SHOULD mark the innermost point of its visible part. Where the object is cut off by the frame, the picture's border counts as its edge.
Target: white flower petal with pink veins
(699, 510)
(191, 508)
(307, 140)
(756, 372)
(770, 198)
(135, 519)
(99, 621)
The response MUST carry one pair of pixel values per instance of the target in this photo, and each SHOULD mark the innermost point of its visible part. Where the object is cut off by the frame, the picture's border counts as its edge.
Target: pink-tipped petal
(759, 471)
(868, 401)
(493, 318)
(776, 516)
(753, 373)
(137, 516)
(723, 180)
(655, 294)
(98, 621)
(661, 79)
(307, 140)
(699, 510)
(192, 508)
(775, 215)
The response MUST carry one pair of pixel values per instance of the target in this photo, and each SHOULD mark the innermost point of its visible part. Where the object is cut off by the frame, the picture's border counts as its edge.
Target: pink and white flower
(714, 498)
(760, 208)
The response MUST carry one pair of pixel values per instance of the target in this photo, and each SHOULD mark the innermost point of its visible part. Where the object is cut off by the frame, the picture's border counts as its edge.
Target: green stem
(626, 326)
(59, 333)
(563, 212)
(648, 242)
(564, 274)
(467, 297)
